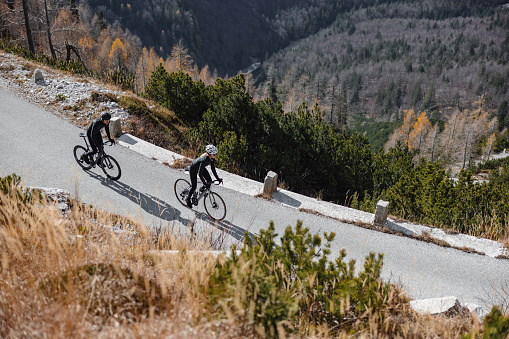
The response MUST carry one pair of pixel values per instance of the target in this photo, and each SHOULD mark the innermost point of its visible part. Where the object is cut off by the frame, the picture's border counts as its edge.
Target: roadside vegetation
(87, 273)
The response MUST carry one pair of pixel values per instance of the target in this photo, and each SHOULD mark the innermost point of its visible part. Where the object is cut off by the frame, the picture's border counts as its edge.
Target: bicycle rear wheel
(215, 206)
(110, 167)
(181, 188)
(78, 153)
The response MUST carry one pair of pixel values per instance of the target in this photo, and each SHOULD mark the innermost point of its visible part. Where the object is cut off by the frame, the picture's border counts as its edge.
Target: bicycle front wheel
(181, 188)
(110, 167)
(215, 206)
(78, 153)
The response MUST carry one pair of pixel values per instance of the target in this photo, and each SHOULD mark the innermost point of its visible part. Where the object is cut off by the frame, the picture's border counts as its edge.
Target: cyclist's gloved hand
(111, 141)
(220, 180)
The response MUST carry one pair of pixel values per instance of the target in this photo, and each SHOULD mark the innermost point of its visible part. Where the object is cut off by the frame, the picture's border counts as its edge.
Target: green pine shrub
(232, 151)
(273, 289)
(179, 93)
(425, 194)
(496, 326)
(10, 186)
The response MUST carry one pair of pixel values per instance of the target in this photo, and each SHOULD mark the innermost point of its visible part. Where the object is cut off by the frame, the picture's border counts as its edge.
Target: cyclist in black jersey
(198, 168)
(94, 136)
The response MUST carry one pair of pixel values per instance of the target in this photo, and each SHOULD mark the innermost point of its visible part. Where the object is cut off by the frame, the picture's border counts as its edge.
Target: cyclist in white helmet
(198, 168)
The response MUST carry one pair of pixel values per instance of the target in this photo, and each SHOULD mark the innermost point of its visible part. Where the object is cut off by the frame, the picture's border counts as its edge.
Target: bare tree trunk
(465, 152)
(332, 105)
(27, 27)
(433, 143)
(420, 140)
(451, 137)
(143, 69)
(48, 31)
(71, 48)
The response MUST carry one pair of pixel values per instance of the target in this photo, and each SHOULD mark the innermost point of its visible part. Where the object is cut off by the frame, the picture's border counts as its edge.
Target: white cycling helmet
(211, 149)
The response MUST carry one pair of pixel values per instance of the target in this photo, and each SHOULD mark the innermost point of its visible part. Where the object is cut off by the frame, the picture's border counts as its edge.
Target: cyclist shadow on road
(236, 232)
(165, 211)
(148, 203)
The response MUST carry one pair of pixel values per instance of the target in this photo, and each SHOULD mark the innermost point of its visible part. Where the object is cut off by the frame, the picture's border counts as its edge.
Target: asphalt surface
(38, 145)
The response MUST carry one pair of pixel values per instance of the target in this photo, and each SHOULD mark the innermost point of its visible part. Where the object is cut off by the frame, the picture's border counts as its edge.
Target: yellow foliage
(86, 42)
(205, 75)
(408, 121)
(486, 151)
(118, 53)
(419, 131)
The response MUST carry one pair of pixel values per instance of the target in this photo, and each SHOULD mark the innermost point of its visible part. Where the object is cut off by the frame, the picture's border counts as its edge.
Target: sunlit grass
(93, 272)
(90, 273)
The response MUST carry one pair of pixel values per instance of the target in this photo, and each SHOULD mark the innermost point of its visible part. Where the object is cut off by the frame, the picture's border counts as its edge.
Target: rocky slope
(77, 100)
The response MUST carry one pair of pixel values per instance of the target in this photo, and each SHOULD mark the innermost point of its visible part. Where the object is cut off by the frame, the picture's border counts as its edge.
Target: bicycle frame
(100, 152)
(203, 194)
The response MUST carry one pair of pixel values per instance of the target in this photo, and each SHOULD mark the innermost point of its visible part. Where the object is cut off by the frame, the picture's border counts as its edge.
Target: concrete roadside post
(37, 76)
(115, 127)
(381, 213)
(270, 184)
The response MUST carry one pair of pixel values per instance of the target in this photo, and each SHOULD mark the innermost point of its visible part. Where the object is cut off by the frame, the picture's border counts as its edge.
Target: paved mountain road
(37, 145)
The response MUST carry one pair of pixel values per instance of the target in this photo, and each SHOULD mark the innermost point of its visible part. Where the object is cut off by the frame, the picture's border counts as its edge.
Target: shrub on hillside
(427, 195)
(179, 93)
(272, 289)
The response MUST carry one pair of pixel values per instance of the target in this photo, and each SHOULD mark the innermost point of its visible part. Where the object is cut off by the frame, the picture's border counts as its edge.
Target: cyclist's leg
(88, 156)
(194, 181)
(206, 176)
(100, 149)
(97, 146)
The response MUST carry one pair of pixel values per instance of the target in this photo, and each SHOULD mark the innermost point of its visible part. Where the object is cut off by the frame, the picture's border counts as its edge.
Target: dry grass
(93, 274)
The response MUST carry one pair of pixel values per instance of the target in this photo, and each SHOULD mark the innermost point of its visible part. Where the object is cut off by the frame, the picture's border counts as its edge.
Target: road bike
(213, 203)
(106, 162)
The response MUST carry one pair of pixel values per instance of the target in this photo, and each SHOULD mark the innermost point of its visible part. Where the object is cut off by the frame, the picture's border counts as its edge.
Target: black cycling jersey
(94, 131)
(198, 166)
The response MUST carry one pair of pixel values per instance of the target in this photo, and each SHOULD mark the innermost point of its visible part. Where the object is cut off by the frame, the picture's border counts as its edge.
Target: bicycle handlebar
(215, 183)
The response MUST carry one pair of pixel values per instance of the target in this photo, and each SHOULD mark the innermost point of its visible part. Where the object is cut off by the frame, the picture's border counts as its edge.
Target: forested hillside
(225, 35)
(379, 60)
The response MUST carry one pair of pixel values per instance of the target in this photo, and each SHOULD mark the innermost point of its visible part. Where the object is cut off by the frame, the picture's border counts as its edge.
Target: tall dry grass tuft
(91, 273)
(492, 227)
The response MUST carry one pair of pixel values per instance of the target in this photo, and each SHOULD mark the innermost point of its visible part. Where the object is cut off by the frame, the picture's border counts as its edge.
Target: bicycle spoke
(79, 151)
(181, 188)
(110, 167)
(215, 206)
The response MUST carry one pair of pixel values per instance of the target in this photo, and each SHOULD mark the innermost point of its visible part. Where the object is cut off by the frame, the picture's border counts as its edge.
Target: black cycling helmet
(106, 116)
